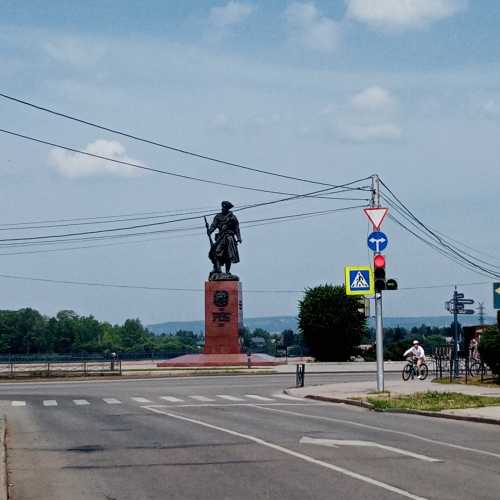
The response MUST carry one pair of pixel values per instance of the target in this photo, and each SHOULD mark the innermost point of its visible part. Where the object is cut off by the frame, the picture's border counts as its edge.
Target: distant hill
(276, 324)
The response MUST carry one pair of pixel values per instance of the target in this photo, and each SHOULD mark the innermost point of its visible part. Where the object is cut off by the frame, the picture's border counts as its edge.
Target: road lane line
(172, 399)
(49, 402)
(112, 401)
(229, 398)
(204, 399)
(292, 453)
(258, 398)
(141, 400)
(335, 443)
(18, 403)
(381, 429)
(80, 402)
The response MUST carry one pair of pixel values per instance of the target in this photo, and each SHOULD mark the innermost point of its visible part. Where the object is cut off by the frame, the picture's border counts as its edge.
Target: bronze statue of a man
(224, 251)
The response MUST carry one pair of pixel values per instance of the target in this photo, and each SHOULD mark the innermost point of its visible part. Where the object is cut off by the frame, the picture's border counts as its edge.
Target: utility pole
(480, 308)
(379, 326)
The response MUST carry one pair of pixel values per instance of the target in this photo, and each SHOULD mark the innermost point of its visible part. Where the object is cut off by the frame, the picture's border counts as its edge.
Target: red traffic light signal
(379, 272)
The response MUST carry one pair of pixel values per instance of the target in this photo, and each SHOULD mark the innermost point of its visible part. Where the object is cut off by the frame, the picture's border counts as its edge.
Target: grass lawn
(487, 381)
(433, 401)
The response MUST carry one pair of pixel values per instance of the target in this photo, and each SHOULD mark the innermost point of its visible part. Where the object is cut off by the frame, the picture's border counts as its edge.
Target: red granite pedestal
(223, 321)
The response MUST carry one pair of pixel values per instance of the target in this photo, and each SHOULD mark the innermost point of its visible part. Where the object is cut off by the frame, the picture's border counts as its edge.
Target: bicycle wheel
(424, 371)
(407, 372)
(475, 368)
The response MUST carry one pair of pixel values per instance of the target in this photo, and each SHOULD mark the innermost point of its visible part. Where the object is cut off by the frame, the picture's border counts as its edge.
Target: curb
(369, 406)
(3, 460)
(449, 416)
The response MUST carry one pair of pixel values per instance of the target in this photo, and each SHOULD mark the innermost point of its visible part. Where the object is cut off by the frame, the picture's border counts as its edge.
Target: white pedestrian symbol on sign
(359, 281)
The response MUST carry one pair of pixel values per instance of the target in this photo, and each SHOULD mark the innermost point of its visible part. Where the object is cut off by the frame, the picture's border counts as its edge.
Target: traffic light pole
(379, 325)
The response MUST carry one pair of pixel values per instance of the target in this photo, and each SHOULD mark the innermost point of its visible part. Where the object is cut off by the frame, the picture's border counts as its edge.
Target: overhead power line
(159, 144)
(101, 284)
(165, 172)
(439, 242)
(56, 238)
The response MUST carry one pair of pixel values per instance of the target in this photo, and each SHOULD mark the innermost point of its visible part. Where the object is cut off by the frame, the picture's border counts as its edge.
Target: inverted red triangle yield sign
(376, 216)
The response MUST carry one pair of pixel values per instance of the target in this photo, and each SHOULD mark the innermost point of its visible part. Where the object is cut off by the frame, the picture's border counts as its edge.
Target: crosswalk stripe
(258, 398)
(49, 402)
(171, 399)
(229, 398)
(80, 402)
(141, 400)
(202, 398)
(287, 397)
(112, 401)
(18, 403)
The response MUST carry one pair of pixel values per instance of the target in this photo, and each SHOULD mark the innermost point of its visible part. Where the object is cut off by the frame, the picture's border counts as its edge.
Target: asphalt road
(233, 437)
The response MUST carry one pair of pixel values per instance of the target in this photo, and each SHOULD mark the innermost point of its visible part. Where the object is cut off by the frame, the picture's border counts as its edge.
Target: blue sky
(329, 90)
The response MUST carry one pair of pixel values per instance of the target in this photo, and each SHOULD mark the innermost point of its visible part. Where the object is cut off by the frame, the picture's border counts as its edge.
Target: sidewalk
(357, 392)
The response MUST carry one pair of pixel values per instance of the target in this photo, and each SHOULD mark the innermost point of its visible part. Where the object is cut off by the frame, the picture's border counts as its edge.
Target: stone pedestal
(223, 320)
(223, 317)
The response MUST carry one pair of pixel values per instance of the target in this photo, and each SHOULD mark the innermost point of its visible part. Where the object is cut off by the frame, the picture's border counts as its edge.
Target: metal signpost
(456, 306)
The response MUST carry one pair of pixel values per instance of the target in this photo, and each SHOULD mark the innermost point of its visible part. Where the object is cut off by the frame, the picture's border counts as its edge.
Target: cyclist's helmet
(415, 342)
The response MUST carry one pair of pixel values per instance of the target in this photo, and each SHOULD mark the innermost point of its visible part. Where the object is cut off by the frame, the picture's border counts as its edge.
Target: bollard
(300, 375)
(249, 359)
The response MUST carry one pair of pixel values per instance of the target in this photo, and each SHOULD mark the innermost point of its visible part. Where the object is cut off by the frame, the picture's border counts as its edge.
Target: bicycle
(410, 370)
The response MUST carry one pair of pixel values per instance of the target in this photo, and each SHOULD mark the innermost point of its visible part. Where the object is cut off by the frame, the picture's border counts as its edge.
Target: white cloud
(311, 28)
(400, 14)
(76, 165)
(373, 99)
(230, 14)
(68, 50)
(371, 133)
(491, 107)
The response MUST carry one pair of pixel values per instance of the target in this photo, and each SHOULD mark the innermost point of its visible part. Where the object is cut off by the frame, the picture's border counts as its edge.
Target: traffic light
(379, 272)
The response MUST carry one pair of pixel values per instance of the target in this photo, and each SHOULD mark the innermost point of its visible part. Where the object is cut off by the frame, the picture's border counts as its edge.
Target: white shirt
(417, 351)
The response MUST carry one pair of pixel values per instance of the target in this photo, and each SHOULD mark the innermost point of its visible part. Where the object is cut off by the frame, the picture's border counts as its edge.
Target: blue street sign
(358, 280)
(496, 295)
(377, 241)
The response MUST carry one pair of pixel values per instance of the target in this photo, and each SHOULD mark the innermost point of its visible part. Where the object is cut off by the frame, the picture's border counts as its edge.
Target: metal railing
(464, 365)
(74, 367)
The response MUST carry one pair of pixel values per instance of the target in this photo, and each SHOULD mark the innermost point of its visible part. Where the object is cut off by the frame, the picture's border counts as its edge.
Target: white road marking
(171, 399)
(292, 453)
(335, 443)
(49, 402)
(229, 398)
(141, 400)
(258, 398)
(80, 402)
(18, 403)
(287, 397)
(112, 401)
(382, 429)
(202, 398)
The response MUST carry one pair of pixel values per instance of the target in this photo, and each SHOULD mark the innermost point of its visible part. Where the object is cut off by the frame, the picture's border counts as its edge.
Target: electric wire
(460, 256)
(177, 230)
(159, 144)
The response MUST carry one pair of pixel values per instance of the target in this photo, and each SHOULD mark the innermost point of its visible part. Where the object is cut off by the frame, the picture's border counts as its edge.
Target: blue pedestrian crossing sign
(377, 241)
(358, 280)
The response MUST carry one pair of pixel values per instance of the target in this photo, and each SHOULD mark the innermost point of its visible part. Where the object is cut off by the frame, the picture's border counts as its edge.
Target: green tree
(330, 322)
(489, 349)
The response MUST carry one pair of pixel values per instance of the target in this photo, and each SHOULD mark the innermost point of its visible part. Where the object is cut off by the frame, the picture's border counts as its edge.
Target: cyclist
(416, 351)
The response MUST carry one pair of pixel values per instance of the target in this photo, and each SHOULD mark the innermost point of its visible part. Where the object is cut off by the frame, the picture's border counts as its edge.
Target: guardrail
(467, 364)
(68, 368)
